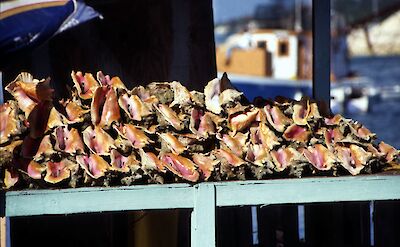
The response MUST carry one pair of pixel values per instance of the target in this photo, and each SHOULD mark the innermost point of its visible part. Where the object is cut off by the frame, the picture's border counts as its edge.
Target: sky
(227, 9)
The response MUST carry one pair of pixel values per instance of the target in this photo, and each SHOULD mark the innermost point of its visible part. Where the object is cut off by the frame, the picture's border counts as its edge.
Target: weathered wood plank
(307, 190)
(203, 216)
(278, 191)
(83, 200)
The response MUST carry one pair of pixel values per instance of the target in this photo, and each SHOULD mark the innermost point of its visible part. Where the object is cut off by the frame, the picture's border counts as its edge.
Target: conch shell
(114, 82)
(45, 149)
(229, 157)
(276, 118)
(304, 112)
(320, 157)
(150, 162)
(173, 143)
(98, 141)
(215, 96)
(170, 116)
(104, 109)
(28, 91)
(284, 157)
(205, 163)
(84, 84)
(353, 159)
(10, 124)
(133, 106)
(181, 166)
(35, 170)
(235, 143)
(68, 141)
(75, 112)
(10, 178)
(58, 171)
(201, 123)
(182, 96)
(136, 136)
(122, 163)
(296, 133)
(241, 121)
(94, 165)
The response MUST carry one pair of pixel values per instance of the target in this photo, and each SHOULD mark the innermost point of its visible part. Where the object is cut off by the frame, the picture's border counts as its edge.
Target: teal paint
(203, 197)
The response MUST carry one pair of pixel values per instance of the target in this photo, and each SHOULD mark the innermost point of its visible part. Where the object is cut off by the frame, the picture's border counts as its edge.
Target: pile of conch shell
(106, 135)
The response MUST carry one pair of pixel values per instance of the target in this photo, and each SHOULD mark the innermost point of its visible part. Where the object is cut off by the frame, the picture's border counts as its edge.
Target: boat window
(262, 44)
(283, 48)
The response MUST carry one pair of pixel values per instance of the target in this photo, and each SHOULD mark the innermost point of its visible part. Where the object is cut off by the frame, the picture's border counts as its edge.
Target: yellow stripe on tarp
(29, 7)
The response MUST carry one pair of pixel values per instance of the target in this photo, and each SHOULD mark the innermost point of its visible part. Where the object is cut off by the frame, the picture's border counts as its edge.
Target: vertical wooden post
(203, 216)
(321, 20)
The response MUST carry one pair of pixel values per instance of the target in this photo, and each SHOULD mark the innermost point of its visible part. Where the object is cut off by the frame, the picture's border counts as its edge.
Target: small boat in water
(278, 62)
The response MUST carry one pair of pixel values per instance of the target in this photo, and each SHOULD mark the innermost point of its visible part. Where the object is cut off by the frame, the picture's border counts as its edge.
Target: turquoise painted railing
(203, 198)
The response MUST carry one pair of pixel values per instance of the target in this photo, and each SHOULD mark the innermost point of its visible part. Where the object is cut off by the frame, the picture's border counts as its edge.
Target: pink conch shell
(332, 136)
(114, 82)
(29, 92)
(33, 88)
(276, 118)
(267, 137)
(94, 165)
(201, 123)
(134, 107)
(68, 141)
(35, 170)
(10, 178)
(122, 163)
(10, 123)
(58, 171)
(241, 121)
(150, 162)
(104, 109)
(25, 103)
(389, 152)
(181, 166)
(170, 116)
(205, 163)
(304, 112)
(284, 157)
(174, 145)
(335, 120)
(136, 136)
(75, 112)
(296, 133)
(85, 84)
(45, 149)
(353, 159)
(362, 132)
(257, 154)
(98, 141)
(320, 157)
(229, 157)
(236, 143)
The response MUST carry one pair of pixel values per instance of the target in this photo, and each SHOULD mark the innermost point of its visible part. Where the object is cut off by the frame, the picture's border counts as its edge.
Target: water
(384, 119)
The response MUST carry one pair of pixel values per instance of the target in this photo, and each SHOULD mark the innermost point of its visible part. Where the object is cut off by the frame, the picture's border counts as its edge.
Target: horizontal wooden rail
(169, 196)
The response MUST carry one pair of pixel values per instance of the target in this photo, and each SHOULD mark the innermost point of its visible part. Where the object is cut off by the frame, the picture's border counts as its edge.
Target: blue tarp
(26, 24)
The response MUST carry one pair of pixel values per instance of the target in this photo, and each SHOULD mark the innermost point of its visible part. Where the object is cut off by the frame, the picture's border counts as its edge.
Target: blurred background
(266, 48)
